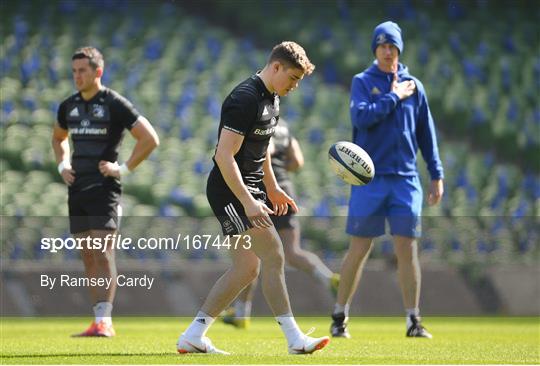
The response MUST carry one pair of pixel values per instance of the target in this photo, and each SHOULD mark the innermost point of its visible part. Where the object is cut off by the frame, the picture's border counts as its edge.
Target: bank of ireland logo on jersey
(86, 129)
(266, 131)
(98, 111)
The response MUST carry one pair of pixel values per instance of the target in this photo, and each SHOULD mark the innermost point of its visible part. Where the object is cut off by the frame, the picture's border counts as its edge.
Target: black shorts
(95, 208)
(289, 220)
(227, 208)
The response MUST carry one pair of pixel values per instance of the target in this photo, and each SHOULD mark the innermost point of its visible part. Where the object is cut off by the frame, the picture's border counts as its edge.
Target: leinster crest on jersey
(98, 111)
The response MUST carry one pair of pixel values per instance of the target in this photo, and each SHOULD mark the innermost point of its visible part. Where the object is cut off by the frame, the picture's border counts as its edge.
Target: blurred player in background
(95, 118)
(241, 189)
(286, 156)
(391, 120)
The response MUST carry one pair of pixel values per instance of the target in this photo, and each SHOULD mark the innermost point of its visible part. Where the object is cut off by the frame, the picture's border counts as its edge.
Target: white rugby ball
(351, 163)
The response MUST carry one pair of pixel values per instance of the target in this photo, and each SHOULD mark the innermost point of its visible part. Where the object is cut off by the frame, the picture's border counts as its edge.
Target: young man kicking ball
(241, 189)
(287, 157)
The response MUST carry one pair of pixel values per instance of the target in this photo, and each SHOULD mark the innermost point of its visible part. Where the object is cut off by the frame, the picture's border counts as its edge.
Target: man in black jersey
(286, 157)
(243, 192)
(96, 118)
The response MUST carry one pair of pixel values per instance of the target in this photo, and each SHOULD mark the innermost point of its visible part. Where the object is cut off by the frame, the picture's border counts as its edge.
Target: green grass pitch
(457, 340)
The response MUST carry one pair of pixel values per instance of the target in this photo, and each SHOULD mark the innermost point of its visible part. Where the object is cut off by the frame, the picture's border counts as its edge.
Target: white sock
(102, 312)
(242, 309)
(341, 309)
(413, 311)
(323, 275)
(289, 327)
(199, 326)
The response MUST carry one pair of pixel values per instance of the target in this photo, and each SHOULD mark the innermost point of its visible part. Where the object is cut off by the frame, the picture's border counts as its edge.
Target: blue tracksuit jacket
(390, 130)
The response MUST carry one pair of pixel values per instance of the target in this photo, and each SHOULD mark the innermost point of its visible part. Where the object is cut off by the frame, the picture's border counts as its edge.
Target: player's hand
(257, 213)
(68, 175)
(108, 169)
(436, 191)
(281, 201)
(403, 89)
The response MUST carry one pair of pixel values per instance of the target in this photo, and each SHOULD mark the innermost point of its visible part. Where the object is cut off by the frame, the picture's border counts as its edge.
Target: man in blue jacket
(391, 120)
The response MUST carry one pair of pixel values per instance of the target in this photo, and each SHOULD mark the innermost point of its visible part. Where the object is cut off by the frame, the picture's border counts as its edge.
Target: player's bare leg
(352, 268)
(408, 270)
(266, 245)
(351, 272)
(239, 315)
(100, 264)
(304, 260)
(244, 269)
(409, 275)
(247, 293)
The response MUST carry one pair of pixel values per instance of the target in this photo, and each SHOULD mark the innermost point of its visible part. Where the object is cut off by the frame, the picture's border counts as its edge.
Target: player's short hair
(291, 54)
(95, 58)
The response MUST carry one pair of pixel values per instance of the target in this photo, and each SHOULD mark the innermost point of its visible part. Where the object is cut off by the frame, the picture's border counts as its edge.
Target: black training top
(96, 128)
(253, 112)
(280, 157)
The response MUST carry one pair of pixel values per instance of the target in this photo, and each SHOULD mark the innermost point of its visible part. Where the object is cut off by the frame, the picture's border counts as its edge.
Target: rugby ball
(351, 163)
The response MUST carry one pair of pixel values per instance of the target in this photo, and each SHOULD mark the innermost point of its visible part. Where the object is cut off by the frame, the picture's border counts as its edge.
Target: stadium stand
(177, 68)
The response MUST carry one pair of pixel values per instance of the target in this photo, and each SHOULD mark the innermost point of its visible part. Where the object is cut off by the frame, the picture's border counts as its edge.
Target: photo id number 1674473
(205, 242)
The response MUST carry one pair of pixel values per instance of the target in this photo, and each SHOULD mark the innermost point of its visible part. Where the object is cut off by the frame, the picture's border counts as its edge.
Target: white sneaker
(197, 345)
(308, 345)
